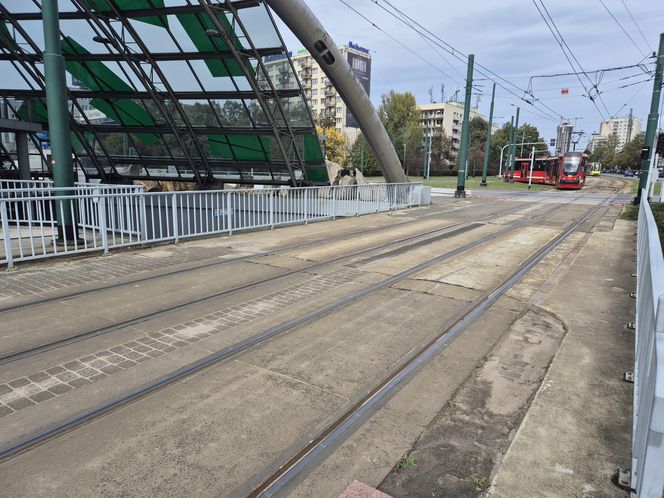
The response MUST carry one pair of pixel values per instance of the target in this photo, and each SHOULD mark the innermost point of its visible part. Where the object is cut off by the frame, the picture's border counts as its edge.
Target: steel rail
(447, 232)
(371, 401)
(40, 437)
(298, 245)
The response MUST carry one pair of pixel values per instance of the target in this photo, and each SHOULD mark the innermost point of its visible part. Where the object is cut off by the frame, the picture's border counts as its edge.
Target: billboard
(361, 66)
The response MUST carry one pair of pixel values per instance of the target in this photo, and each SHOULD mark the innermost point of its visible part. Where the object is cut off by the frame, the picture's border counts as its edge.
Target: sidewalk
(577, 431)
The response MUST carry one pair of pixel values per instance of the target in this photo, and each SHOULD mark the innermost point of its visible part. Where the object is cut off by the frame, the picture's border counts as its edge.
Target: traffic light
(660, 144)
(645, 153)
(553, 142)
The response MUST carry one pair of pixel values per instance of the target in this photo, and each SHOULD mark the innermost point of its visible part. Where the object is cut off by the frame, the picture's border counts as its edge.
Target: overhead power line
(567, 52)
(459, 55)
(636, 24)
(622, 27)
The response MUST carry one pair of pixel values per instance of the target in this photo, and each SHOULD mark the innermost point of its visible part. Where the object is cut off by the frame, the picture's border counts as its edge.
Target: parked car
(628, 173)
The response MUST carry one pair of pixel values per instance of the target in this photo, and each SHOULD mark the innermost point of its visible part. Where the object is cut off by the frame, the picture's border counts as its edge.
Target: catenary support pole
(506, 172)
(653, 119)
(513, 157)
(465, 132)
(58, 118)
(487, 145)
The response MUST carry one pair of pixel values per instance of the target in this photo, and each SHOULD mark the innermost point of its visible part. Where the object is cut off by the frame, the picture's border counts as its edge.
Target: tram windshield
(571, 165)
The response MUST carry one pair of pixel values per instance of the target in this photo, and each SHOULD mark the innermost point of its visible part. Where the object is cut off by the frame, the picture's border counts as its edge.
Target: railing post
(271, 208)
(103, 229)
(6, 236)
(144, 218)
(334, 202)
(229, 212)
(306, 206)
(174, 217)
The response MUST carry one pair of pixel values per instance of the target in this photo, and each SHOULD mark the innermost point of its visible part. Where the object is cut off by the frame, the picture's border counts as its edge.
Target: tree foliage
(336, 145)
(400, 116)
(607, 153)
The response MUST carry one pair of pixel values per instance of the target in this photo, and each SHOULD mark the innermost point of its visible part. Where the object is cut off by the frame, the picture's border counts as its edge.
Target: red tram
(566, 172)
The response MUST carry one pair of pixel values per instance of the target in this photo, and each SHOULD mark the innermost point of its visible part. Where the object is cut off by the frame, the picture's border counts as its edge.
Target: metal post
(653, 118)
(306, 206)
(271, 209)
(465, 132)
(5, 231)
(532, 164)
(22, 155)
(334, 202)
(58, 117)
(229, 212)
(500, 164)
(174, 216)
(487, 145)
(506, 173)
(513, 157)
(103, 228)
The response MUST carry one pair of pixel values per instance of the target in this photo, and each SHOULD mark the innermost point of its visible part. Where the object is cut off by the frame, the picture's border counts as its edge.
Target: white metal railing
(647, 477)
(109, 216)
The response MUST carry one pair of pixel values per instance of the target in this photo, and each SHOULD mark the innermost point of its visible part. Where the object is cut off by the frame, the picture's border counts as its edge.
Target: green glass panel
(245, 148)
(317, 174)
(96, 76)
(76, 143)
(39, 113)
(196, 25)
(127, 6)
(6, 39)
(312, 151)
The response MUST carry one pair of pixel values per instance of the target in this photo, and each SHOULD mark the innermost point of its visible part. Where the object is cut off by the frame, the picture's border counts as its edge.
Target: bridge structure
(178, 92)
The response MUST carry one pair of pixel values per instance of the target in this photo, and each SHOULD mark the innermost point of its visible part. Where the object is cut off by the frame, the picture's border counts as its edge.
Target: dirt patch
(460, 449)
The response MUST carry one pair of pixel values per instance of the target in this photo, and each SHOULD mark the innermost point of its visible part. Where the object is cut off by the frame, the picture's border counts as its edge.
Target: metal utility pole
(487, 145)
(513, 157)
(465, 131)
(653, 118)
(506, 173)
(532, 164)
(630, 124)
(58, 119)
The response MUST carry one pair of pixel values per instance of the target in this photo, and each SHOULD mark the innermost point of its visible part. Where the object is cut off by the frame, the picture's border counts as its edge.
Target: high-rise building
(564, 138)
(319, 92)
(624, 128)
(446, 117)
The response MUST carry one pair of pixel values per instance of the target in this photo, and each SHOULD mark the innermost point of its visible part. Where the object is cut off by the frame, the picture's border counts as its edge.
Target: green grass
(405, 463)
(658, 213)
(629, 212)
(479, 481)
(471, 183)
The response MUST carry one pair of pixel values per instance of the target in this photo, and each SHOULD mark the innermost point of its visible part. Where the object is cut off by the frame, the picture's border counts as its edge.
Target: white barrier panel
(108, 216)
(647, 479)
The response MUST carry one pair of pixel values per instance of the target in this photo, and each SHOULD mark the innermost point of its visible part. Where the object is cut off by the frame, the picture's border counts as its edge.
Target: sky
(511, 39)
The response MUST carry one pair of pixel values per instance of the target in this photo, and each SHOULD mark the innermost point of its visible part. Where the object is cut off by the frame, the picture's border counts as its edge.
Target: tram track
(213, 264)
(436, 234)
(281, 474)
(40, 437)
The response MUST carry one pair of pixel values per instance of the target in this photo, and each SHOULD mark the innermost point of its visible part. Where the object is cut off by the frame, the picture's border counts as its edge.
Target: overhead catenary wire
(395, 39)
(460, 56)
(560, 40)
(636, 24)
(621, 26)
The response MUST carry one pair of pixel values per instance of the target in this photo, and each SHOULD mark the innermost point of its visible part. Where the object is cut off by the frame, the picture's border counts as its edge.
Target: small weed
(479, 481)
(405, 463)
